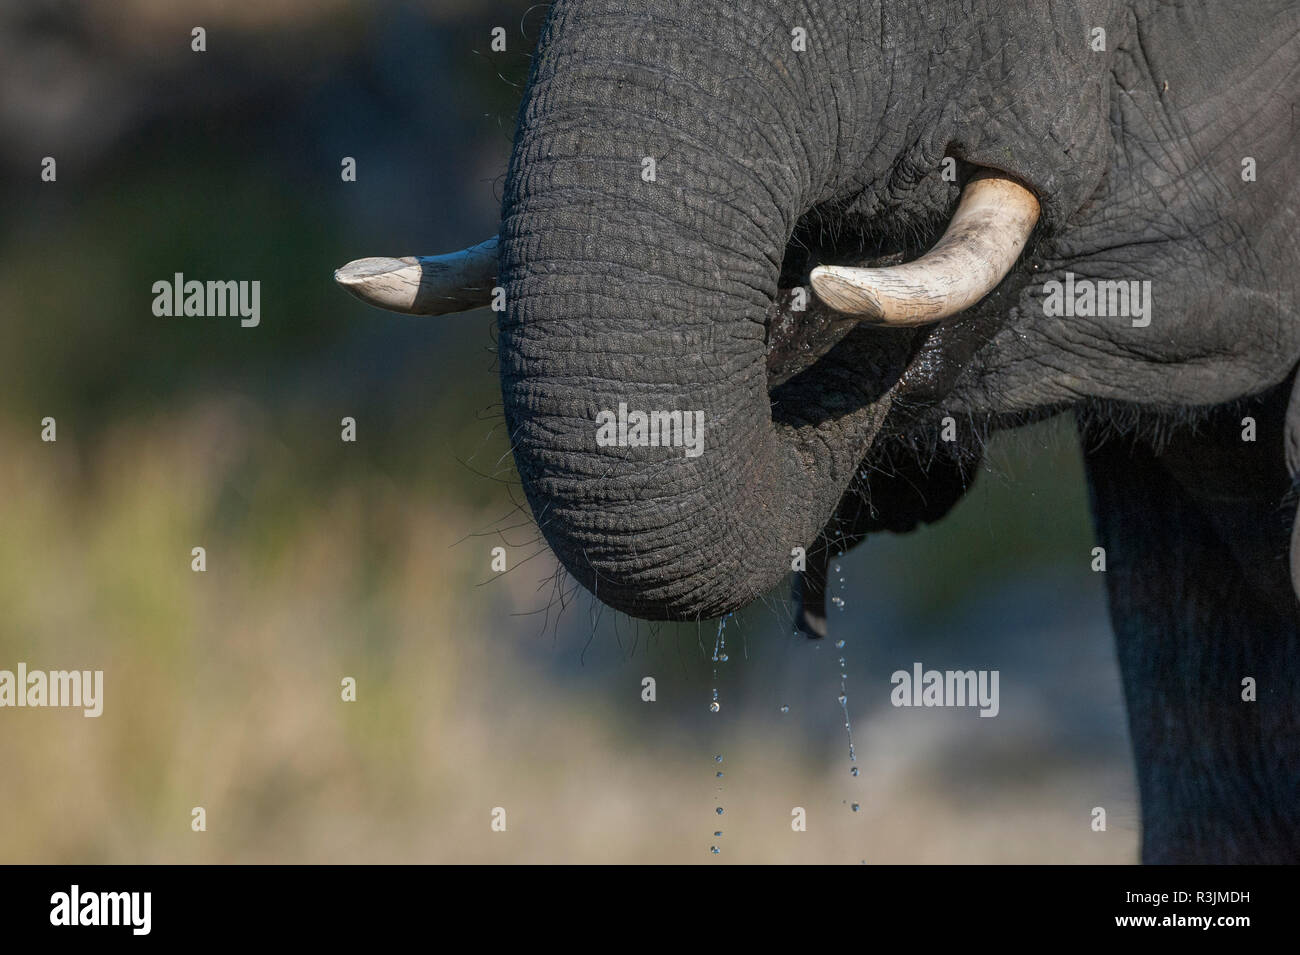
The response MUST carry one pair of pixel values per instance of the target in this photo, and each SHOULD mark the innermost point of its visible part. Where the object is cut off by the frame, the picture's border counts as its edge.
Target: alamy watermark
(1087, 298)
(64, 688)
(651, 429)
(208, 299)
(923, 687)
(75, 907)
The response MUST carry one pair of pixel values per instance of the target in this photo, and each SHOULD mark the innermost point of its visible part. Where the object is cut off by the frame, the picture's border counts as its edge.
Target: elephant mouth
(860, 289)
(802, 329)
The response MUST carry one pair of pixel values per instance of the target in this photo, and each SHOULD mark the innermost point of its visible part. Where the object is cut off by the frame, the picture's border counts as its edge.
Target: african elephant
(828, 226)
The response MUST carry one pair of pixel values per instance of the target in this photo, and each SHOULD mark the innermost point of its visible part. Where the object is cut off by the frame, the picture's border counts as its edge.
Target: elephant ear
(1293, 468)
(897, 498)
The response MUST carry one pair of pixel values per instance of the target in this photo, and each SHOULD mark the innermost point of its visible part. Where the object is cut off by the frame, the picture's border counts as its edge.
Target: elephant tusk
(979, 247)
(425, 285)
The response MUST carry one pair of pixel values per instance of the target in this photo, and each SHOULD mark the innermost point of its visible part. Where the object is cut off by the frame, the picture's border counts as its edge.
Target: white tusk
(988, 231)
(425, 285)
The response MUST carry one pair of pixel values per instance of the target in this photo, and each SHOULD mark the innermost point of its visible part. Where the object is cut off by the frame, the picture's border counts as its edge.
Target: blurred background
(372, 560)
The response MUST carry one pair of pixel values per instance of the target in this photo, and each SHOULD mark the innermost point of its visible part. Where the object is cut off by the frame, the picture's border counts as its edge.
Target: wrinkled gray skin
(668, 295)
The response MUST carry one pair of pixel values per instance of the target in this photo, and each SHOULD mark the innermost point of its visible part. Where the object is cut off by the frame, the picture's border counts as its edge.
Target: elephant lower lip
(800, 328)
(801, 344)
(862, 369)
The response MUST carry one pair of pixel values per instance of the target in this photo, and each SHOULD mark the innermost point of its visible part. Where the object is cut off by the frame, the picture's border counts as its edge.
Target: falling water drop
(720, 642)
(843, 697)
(856, 807)
(785, 708)
(719, 656)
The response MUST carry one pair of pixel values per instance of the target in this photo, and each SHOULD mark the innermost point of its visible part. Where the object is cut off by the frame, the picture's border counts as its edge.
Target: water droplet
(715, 850)
(718, 833)
(843, 699)
(839, 644)
(837, 568)
(856, 807)
(723, 659)
(719, 775)
(785, 708)
(718, 810)
(718, 758)
(714, 706)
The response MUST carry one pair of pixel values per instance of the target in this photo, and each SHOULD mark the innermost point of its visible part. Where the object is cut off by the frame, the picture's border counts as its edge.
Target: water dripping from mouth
(843, 698)
(719, 656)
(715, 705)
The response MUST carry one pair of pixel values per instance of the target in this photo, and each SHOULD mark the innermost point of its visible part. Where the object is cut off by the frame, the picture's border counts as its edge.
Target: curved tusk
(979, 247)
(425, 285)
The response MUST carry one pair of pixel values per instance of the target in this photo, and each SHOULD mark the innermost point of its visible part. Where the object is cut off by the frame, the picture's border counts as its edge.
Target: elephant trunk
(644, 221)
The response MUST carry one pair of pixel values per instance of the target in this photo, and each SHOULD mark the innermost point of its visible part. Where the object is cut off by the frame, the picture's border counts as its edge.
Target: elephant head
(805, 223)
